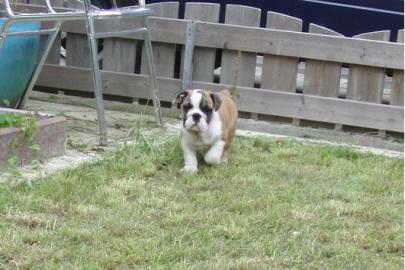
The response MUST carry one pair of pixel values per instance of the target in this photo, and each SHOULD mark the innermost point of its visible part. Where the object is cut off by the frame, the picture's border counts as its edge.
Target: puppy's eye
(206, 108)
(187, 107)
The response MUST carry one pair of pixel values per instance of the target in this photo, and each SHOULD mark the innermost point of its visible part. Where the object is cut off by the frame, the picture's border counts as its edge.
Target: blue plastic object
(18, 58)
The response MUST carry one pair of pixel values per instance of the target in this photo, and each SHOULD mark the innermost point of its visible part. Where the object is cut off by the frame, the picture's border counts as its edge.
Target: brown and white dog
(209, 122)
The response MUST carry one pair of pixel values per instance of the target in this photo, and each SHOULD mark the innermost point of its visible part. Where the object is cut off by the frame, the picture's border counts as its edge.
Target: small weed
(28, 124)
(11, 120)
(340, 152)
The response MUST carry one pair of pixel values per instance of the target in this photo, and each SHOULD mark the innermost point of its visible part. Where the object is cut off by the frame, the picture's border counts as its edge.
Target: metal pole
(188, 56)
(95, 72)
(152, 75)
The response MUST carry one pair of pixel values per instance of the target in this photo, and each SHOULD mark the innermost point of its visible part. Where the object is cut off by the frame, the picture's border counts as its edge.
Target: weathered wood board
(237, 67)
(268, 41)
(203, 58)
(119, 54)
(280, 72)
(164, 53)
(323, 109)
(322, 78)
(397, 91)
(367, 83)
(77, 46)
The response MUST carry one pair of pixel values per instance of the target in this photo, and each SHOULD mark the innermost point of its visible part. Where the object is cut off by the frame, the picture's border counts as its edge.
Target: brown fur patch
(229, 116)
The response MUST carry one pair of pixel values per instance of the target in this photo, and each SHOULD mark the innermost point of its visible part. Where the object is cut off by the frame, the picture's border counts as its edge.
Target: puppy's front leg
(214, 155)
(190, 159)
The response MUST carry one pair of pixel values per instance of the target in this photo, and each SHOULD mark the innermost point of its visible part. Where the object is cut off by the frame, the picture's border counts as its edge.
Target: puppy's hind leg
(224, 157)
(213, 156)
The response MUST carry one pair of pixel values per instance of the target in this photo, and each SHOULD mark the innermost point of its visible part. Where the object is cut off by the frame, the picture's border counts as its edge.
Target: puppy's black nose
(196, 117)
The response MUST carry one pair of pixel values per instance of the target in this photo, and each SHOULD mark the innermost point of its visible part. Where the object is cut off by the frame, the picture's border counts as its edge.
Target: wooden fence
(276, 71)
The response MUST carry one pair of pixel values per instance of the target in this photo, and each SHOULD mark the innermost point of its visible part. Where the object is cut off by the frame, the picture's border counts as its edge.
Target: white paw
(212, 158)
(189, 169)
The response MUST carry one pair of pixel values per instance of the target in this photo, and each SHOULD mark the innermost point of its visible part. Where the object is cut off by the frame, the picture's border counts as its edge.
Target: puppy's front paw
(189, 170)
(212, 158)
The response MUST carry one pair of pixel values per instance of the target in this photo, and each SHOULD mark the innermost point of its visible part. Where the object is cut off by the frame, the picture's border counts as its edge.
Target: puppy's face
(197, 108)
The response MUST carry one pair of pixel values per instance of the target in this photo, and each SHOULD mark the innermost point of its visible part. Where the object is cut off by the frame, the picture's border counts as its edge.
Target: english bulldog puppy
(209, 123)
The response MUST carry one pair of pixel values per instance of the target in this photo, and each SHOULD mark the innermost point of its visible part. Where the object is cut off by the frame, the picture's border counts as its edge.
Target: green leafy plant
(28, 123)
(29, 128)
(11, 120)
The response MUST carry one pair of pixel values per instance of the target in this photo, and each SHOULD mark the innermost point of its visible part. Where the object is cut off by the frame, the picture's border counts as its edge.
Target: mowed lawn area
(278, 204)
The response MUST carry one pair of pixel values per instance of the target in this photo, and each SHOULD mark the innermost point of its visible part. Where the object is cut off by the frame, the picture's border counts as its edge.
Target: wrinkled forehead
(199, 97)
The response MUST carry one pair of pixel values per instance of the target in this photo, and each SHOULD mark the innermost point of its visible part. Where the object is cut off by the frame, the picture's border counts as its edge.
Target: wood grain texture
(164, 53)
(323, 109)
(367, 83)
(204, 58)
(397, 91)
(280, 72)
(238, 68)
(268, 41)
(77, 46)
(322, 78)
(119, 55)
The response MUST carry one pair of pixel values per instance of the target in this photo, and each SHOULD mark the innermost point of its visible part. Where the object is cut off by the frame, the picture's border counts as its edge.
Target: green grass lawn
(279, 204)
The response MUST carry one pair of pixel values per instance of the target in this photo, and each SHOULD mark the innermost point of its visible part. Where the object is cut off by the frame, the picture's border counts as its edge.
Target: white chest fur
(203, 140)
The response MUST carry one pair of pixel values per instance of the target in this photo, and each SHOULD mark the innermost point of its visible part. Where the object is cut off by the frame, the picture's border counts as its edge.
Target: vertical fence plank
(280, 72)
(164, 54)
(119, 55)
(77, 47)
(322, 78)
(54, 53)
(367, 83)
(238, 68)
(397, 91)
(203, 58)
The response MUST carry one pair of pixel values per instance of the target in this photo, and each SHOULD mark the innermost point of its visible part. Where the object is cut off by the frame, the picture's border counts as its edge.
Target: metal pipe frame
(152, 74)
(188, 56)
(95, 72)
(88, 15)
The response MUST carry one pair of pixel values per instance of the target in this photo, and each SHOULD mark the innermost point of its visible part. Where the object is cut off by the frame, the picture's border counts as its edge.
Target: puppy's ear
(180, 98)
(216, 99)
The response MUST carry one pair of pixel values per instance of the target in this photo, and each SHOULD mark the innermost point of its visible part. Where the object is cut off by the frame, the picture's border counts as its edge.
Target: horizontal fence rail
(269, 41)
(250, 99)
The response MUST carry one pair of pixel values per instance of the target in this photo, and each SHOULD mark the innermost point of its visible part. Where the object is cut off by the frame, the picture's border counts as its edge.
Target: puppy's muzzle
(196, 117)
